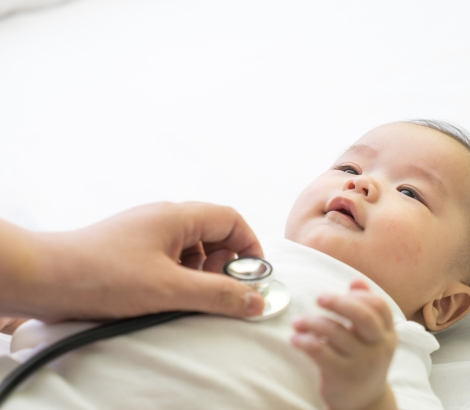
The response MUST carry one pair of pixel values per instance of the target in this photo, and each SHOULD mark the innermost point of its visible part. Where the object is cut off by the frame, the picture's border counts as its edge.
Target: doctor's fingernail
(253, 303)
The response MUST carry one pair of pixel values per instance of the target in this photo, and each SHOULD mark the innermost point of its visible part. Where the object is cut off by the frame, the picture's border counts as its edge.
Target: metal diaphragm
(258, 273)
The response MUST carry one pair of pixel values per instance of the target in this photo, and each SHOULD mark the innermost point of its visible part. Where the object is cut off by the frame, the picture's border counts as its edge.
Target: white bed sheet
(107, 104)
(451, 366)
(10, 7)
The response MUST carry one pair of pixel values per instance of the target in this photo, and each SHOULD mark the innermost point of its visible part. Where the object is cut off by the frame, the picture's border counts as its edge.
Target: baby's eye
(409, 192)
(348, 169)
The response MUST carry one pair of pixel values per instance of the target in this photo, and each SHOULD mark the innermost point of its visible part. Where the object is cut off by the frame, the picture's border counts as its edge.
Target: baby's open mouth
(345, 207)
(346, 212)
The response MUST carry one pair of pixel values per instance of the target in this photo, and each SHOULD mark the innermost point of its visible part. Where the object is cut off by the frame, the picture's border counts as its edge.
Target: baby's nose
(364, 185)
(358, 186)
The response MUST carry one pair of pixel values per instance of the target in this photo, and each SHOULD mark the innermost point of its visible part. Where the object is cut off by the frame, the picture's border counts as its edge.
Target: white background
(106, 104)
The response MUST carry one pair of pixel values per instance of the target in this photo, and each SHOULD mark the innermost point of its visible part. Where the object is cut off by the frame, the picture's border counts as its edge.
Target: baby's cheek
(404, 242)
(305, 212)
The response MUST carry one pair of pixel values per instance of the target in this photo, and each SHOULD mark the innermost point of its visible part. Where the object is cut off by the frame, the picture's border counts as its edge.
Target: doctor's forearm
(38, 274)
(19, 260)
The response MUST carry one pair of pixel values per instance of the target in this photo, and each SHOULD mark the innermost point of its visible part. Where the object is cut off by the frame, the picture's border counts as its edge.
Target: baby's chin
(333, 243)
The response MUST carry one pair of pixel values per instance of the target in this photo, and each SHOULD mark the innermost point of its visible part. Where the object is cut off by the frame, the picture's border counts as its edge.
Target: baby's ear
(441, 313)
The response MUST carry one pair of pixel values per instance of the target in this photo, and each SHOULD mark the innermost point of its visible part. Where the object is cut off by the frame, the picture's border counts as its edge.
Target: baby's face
(395, 207)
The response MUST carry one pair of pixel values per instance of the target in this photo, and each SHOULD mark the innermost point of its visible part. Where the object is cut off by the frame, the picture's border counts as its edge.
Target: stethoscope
(255, 272)
(258, 274)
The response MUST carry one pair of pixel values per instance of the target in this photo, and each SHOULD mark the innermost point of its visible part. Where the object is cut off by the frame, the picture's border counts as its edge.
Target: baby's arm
(353, 360)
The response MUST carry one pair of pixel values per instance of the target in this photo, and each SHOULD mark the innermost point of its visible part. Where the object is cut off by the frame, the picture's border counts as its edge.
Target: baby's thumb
(219, 294)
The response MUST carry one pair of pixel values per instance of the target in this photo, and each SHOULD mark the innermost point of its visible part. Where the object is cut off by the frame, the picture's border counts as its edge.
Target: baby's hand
(353, 360)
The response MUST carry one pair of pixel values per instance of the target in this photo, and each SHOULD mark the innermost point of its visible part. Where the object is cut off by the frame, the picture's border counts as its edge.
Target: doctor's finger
(216, 226)
(216, 260)
(193, 257)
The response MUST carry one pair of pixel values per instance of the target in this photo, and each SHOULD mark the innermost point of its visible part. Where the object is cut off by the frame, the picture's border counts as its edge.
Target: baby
(395, 207)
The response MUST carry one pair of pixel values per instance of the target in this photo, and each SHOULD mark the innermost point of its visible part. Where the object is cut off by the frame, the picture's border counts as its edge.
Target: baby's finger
(359, 284)
(338, 337)
(318, 349)
(378, 304)
(368, 324)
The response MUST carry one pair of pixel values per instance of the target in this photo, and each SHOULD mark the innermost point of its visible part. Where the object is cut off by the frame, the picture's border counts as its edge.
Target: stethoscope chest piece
(257, 273)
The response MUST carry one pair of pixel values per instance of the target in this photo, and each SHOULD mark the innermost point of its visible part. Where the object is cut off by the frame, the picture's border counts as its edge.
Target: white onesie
(211, 362)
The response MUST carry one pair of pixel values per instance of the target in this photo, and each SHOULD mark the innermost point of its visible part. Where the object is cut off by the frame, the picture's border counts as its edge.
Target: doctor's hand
(9, 324)
(153, 258)
(354, 359)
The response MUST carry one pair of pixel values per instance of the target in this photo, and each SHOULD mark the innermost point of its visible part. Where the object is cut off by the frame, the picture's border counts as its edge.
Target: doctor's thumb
(253, 303)
(219, 294)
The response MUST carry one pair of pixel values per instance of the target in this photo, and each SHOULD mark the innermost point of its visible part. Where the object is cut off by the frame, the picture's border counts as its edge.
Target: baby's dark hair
(462, 256)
